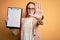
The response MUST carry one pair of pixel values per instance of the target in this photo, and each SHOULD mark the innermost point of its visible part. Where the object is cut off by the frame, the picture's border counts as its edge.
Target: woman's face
(31, 9)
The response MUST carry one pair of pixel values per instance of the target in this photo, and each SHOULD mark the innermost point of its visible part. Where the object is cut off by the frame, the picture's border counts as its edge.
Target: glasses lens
(31, 8)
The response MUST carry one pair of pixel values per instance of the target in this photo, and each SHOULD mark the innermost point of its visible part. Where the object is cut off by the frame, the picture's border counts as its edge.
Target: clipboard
(14, 17)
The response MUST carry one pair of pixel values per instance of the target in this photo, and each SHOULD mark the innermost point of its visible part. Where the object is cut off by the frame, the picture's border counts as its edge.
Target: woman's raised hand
(38, 10)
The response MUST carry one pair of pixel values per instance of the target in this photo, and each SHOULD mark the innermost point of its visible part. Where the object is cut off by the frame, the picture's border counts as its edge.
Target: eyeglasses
(31, 8)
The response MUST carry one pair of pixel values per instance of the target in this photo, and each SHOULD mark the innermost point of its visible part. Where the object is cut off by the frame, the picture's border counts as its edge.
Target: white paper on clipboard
(14, 17)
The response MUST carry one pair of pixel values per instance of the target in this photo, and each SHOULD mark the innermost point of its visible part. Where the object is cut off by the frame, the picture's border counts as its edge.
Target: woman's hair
(27, 8)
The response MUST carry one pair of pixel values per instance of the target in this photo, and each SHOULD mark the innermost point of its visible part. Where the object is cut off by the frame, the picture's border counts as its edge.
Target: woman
(34, 17)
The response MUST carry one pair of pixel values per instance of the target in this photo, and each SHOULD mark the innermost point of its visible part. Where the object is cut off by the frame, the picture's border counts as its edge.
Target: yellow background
(51, 28)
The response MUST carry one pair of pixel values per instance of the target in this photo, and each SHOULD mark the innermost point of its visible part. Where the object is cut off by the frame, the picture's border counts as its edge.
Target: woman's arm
(14, 31)
(39, 13)
(40, 21)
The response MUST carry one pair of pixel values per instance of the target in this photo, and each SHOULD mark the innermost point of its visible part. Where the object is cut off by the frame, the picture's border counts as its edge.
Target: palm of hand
(38, 9)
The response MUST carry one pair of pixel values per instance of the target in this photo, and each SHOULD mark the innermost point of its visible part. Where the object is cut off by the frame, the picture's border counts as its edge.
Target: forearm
(40, 21)
(14, 31)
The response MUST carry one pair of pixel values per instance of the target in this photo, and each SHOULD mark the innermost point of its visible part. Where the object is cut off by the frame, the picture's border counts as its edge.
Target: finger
(36, 5)
(39, 6)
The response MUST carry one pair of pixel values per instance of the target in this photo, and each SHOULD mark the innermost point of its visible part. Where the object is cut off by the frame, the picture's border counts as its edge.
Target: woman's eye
(31, 8)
